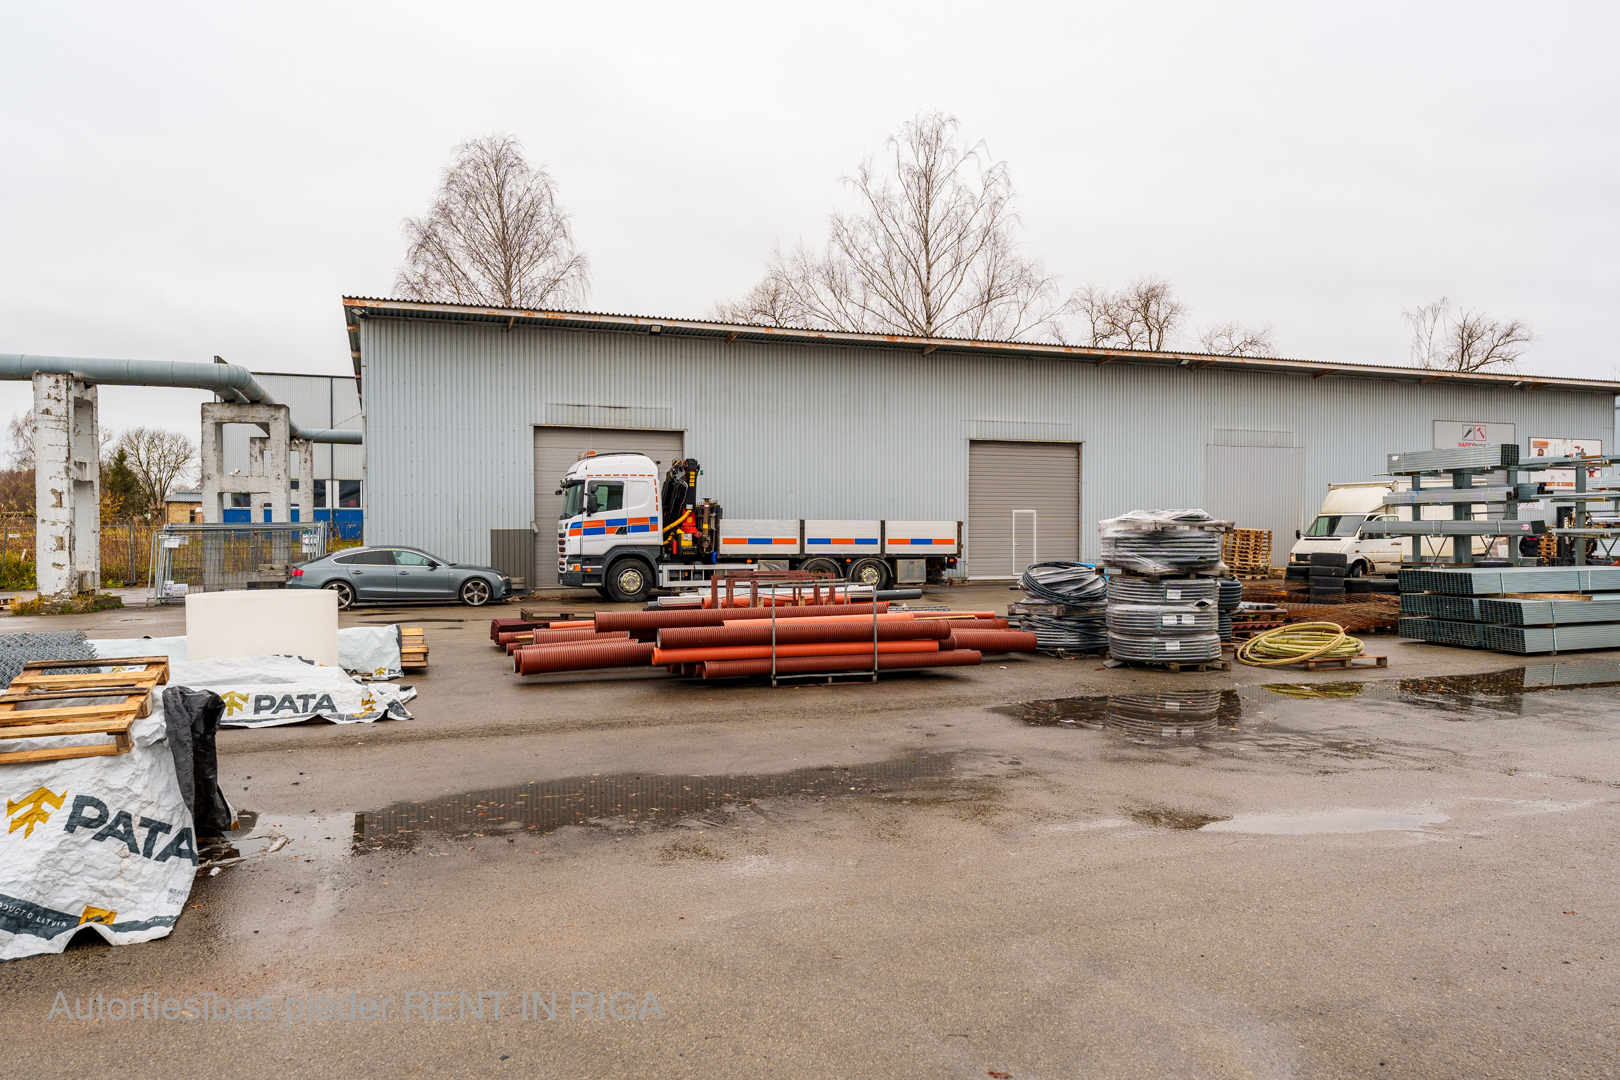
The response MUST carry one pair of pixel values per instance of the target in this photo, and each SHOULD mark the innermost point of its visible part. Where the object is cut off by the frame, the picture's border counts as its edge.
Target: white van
(1337, 529)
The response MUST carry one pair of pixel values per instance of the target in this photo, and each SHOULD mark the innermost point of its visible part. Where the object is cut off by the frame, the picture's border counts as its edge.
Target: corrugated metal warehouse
(472, 414)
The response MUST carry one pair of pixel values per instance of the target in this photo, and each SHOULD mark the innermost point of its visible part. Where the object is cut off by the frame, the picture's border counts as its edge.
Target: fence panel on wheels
(215, 558)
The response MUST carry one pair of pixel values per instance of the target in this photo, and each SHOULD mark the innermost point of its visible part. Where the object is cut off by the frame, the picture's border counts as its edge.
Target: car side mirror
(1298, 534)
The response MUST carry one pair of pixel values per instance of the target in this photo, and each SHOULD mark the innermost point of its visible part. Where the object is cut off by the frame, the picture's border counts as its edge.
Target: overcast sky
(181, 181)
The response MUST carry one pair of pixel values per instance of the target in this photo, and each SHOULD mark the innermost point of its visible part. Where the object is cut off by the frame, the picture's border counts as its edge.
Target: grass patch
(82, 604)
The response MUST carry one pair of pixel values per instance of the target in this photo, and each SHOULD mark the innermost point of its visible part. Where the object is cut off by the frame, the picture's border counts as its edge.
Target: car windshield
(1336, 525)
(573, 498)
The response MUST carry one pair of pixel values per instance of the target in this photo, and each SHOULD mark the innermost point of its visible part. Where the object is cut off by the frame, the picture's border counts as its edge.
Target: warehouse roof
(356, 308)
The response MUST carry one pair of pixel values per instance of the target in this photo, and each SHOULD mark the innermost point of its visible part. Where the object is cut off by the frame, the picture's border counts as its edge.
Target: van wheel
(1358, 569)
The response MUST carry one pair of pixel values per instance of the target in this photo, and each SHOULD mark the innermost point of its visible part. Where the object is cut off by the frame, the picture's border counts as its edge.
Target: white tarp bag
(267, 691)
(105, 842)
(123, 648)
(372, 652)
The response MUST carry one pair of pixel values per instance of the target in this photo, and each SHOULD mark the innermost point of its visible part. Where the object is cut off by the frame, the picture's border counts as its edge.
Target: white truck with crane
(624, 534)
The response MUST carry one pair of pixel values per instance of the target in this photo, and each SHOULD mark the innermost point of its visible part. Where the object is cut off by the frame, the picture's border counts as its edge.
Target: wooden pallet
(117, 699)
(1345, 662)
(1247, 551)
(413, 650)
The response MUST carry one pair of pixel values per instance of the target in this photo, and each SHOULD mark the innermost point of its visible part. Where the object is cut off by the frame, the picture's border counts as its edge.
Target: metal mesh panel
(216, 558)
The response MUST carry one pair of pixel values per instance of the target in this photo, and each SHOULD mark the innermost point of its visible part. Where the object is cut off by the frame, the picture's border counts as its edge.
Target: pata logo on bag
(33, 810)
(89, 812)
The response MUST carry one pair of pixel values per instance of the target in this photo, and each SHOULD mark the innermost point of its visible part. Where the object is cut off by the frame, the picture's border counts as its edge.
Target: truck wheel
(821, 566)
(630, 581)
(873, 572)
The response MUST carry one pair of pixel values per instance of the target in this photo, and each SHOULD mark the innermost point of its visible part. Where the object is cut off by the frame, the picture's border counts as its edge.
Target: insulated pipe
(796, 633)
(657, 620)
(995, 640)
(229, 381)
(809, 665)
(536, 661)
(755, 652)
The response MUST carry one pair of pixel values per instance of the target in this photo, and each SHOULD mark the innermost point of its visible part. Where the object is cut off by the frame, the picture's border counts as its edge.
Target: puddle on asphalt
(629, 801)
(1325, 821)
(311, 838)
(1200, 716)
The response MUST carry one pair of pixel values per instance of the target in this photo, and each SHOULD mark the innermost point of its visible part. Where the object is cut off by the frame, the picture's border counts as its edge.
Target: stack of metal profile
(1066, 607)
(1467, 606)
(18, 649)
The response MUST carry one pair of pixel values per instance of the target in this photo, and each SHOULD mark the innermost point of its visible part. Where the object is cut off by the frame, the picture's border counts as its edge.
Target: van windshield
(1336, 525)
(573, 498)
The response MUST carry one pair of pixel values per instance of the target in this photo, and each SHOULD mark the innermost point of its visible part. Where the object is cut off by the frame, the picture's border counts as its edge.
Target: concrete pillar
(269, 460)
(67, 487)
(303, 470)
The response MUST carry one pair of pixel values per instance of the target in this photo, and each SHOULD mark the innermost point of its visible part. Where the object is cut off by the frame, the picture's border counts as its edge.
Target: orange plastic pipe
(995, 640)
(797, 632)
(540, 659)
(657, 620)
(808, 665)
(755, 652)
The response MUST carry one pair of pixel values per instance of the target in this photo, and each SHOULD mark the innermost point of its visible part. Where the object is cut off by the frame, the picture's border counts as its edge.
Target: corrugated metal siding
(1257, 486)
(787, 430)
(1007, 480)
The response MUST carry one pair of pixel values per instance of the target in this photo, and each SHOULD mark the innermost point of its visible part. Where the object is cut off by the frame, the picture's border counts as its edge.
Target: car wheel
(475, 592)
(873, 572)
(345, 594)
(821, 566)
(630, 581)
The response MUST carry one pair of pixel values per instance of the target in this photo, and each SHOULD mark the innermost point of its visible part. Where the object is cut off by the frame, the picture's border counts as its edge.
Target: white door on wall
(1258, 487)
(1023, 506)
(555, 451)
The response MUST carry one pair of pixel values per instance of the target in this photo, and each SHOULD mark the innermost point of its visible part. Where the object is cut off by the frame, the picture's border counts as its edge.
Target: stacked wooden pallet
(413, 650)
(1247, 551)
(92, 703)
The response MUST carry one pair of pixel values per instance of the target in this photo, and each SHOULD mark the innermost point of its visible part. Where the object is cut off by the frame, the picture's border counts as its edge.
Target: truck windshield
(573, 498)
(1336, 525)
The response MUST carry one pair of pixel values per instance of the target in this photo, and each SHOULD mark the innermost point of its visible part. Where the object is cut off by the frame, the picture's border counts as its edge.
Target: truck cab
(608, 536)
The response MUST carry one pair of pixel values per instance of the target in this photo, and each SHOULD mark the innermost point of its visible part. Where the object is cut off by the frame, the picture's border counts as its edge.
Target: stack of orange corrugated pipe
(726, 642)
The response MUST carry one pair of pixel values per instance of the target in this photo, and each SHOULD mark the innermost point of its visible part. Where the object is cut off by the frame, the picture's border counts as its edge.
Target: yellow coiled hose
(1300, 641)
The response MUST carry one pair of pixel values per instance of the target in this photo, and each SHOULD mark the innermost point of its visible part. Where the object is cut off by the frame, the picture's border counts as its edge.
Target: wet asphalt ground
(1038, 868)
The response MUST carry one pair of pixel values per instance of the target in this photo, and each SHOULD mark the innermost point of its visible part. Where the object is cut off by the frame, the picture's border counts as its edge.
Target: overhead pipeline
(230, 381)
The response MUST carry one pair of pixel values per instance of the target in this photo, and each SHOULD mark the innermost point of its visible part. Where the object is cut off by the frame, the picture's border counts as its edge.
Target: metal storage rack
(1462, 495)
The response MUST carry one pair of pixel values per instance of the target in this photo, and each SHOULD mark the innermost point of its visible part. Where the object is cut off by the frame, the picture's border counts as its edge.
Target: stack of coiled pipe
(1160, 610)
(1231, 599)
(1077, 617)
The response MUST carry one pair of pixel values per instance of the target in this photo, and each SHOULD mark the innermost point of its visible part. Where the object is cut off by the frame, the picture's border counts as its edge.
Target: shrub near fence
(126, 555)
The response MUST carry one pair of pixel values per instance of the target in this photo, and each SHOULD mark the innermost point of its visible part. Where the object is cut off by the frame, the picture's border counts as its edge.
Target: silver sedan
(399, 574)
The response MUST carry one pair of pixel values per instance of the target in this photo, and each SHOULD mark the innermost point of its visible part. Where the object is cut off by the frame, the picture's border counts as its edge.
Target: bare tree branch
(1234, 339)
(1464, 339)
(158, 458)
(931, 252)
(494, 235)
(1143, 315)
(20, 436)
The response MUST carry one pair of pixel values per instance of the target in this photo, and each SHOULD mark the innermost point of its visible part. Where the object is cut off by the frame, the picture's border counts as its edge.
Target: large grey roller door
(555, 450)
(1257, 487)
(1023, 506)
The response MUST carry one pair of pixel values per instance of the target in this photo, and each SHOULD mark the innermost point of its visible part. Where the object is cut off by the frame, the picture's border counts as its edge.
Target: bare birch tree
(931, 252)
(1464, 339)
(158, 458)
(1143, 315)
(1235, 339)
(495, 235)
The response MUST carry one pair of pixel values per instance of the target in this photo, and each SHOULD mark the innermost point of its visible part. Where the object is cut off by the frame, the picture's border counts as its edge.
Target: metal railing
(215, 558)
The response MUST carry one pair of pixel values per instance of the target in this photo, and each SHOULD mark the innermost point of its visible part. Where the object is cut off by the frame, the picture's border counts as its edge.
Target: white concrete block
(263, 622)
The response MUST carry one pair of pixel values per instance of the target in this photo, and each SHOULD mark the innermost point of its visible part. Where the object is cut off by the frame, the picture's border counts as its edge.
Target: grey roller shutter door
(555, 450)
(1006, 479)
(1257, 487)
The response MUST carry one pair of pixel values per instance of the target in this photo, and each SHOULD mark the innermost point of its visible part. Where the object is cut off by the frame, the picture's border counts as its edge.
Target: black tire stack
(1328, 571)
